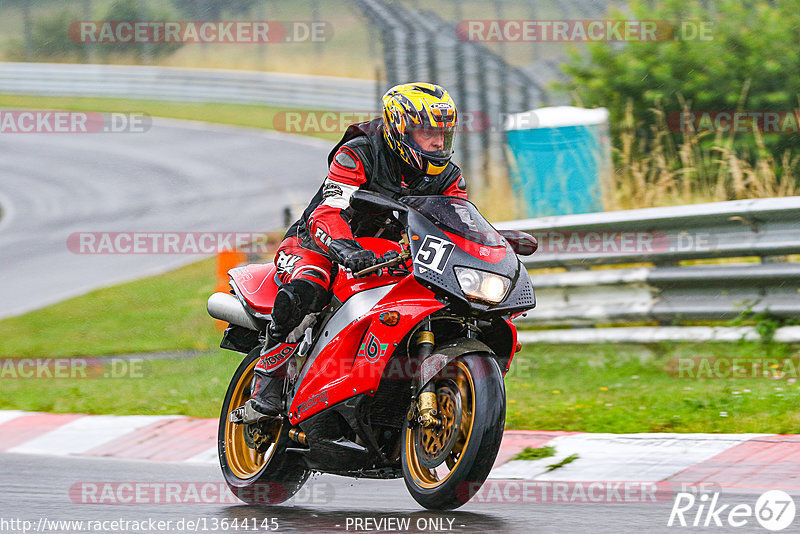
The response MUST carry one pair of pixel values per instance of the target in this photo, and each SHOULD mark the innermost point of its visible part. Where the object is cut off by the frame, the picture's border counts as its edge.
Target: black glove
(352, 255)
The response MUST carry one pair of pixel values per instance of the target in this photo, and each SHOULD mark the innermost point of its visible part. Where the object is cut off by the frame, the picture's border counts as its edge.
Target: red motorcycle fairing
(257, 284)
(352, 363)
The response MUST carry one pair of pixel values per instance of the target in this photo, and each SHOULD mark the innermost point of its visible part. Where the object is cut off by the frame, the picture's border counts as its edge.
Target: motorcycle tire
(444, 467)
(268, 477)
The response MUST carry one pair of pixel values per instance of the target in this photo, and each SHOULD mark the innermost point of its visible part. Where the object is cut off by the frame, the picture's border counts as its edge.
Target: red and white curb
(144, 437)
(769, 461)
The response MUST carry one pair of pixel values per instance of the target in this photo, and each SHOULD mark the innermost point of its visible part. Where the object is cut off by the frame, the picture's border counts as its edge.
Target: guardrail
(760, 233)
(189, 85)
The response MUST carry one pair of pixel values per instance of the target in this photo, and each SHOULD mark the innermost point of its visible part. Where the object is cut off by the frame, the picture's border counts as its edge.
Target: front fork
(425, 410)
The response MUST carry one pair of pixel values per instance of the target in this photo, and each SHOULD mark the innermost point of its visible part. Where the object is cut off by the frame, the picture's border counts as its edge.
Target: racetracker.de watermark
(72, 368)
(70, 122)
(551, 242)
(556, 31)
(622, 242)
(337, 121)
(171, 242)
(730, 122)
(15, 525)
(476, 121)
(576, 492)
(199, 31)
(729, 367)
(182, 492)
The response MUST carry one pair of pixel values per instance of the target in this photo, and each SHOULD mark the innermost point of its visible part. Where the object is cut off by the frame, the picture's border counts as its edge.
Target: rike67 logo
(372, 349)
(774, 510)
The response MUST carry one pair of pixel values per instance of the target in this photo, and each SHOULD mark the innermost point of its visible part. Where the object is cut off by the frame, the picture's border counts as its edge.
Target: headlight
(480, 285)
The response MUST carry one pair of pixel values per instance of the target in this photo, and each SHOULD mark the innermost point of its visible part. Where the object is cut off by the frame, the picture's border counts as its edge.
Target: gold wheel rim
(432, 478)
(243, 461)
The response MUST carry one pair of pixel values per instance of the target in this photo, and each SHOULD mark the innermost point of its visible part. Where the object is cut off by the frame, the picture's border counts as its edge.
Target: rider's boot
(267, 387)
(293, 301)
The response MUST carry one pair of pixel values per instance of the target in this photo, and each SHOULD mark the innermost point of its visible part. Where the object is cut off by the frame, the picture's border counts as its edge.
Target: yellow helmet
(415, 113)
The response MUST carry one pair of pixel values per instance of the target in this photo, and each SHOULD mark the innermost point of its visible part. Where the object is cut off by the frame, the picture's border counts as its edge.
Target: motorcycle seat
(257, 284)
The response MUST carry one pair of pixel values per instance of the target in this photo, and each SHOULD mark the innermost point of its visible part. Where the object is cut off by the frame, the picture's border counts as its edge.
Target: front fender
(444, 354)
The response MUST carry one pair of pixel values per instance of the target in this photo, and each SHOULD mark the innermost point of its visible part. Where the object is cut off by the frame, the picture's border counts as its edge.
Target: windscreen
(457, 216)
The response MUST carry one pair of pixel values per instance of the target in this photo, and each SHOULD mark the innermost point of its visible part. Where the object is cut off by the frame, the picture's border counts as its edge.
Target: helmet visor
(434, 142)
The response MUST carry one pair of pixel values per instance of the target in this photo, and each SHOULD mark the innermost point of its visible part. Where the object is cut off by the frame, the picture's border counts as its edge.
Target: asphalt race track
(178, 176)
(37, 488)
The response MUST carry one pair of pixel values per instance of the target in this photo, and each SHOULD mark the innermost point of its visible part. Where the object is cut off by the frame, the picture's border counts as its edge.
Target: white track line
(209, 456)
(8, 415)
(622, 457)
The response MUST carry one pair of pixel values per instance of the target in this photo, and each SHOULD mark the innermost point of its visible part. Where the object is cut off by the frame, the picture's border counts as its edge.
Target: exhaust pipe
(226, 307)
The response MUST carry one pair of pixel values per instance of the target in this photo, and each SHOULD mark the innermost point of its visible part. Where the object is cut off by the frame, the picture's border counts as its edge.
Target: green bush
(752, 62)
(136, 11)
(50, 40)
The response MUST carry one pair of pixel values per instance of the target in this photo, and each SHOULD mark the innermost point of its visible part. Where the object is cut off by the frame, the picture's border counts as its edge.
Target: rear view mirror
(374, 204)
(522, 243)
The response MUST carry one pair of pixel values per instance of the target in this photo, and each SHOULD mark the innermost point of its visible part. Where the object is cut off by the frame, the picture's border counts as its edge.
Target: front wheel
(253, 458)
(444, 466)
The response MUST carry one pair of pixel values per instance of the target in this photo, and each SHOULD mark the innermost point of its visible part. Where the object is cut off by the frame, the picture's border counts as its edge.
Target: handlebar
(400, 258)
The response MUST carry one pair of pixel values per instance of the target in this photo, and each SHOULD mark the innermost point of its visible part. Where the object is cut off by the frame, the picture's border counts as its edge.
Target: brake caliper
(428, 409)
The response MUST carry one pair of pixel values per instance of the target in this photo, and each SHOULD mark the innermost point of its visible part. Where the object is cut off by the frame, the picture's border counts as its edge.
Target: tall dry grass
(494, 195)
(655, 170)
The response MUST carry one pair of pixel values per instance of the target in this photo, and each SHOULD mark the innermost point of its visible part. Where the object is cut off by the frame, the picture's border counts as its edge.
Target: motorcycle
(401, 375)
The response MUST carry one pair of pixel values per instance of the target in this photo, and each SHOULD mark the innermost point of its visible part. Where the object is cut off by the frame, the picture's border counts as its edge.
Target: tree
(47, 39)
(126, 10)
(212, 9)
(752, 62)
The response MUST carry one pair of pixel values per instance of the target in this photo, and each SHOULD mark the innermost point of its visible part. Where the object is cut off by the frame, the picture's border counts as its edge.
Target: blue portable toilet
(560, 159)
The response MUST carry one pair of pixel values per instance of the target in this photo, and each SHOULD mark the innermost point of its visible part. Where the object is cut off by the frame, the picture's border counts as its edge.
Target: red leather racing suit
(361, 160)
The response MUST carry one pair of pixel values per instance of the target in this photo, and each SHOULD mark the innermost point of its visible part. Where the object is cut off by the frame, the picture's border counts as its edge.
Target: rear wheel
(444, 466)
(253, 458)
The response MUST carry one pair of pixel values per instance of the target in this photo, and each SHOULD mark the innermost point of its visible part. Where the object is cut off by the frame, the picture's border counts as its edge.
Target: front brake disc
(433, 445)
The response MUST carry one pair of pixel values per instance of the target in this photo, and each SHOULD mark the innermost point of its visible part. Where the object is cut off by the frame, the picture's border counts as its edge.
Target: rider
(405, 152)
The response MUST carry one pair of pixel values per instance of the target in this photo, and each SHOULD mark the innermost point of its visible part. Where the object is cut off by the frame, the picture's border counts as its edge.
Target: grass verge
(193, 387)
(160, 313)
(627, 388)
(233, 114)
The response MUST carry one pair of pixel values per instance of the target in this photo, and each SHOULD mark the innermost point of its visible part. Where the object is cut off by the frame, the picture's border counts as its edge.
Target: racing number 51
(434, 253)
